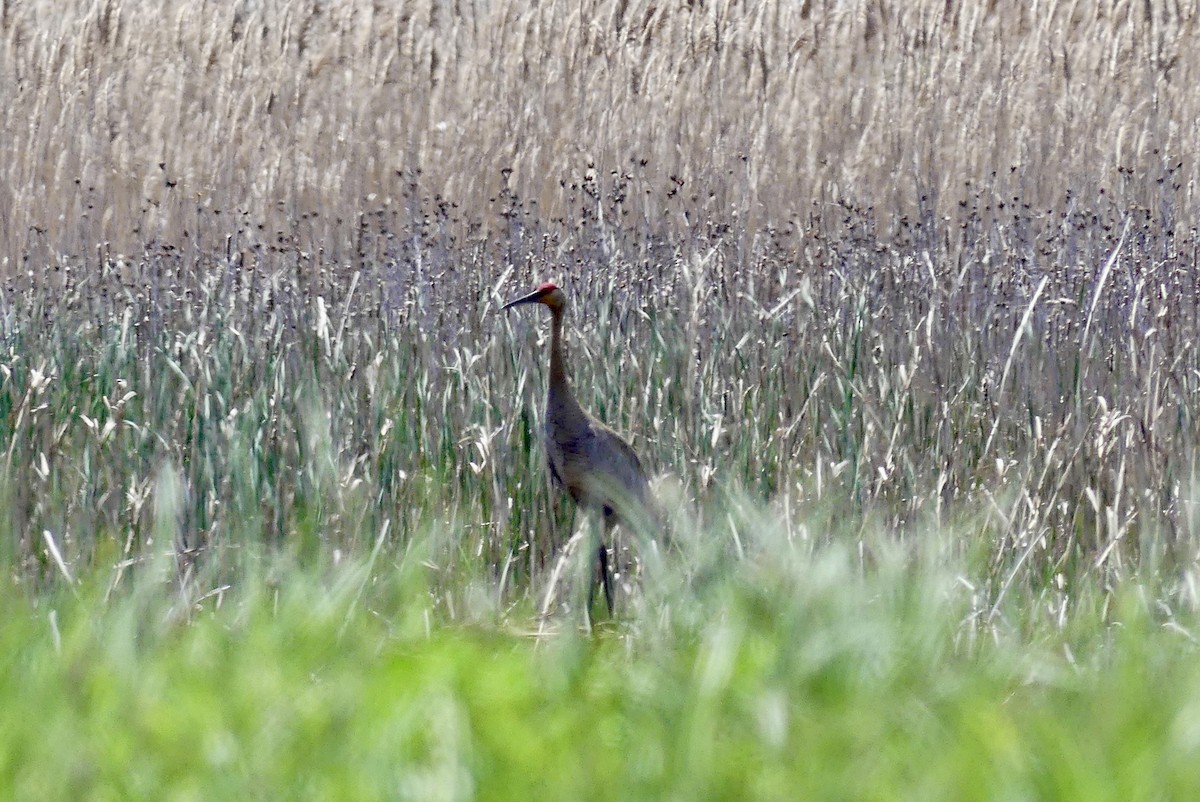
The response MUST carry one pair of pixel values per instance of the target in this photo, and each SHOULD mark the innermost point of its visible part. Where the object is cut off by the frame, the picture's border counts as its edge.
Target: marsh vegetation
(902, 300)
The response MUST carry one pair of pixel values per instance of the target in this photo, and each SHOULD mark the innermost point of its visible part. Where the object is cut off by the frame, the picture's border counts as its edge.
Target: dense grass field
(899, 302)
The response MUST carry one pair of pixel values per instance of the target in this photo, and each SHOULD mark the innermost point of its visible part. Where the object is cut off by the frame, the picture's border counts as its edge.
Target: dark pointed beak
(531, 298)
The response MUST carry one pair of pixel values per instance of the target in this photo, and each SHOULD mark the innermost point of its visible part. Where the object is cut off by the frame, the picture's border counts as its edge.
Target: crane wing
(617, 459)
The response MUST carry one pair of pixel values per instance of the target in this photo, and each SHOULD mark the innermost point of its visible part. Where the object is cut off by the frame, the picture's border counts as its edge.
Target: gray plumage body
(587, 460)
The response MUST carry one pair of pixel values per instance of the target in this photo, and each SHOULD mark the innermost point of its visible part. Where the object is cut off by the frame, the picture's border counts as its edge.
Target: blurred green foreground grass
(341, 683)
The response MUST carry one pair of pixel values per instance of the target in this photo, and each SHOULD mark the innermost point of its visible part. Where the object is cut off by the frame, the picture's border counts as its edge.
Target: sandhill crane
(588, 460)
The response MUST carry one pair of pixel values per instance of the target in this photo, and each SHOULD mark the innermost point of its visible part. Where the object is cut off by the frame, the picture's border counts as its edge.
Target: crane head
(547, 294)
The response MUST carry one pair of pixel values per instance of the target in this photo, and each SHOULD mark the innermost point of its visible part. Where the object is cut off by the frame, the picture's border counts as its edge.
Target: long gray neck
(560, 399)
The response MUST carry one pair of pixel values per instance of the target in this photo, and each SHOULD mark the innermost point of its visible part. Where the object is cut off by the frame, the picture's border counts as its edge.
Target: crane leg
(601, 574)
(605, 576)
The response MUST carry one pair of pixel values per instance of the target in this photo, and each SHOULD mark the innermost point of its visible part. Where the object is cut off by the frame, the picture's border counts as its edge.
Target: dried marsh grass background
(925, 262)
(759, 109)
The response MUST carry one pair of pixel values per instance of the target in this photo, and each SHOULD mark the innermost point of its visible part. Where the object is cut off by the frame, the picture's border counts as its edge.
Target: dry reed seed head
(739, 42)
